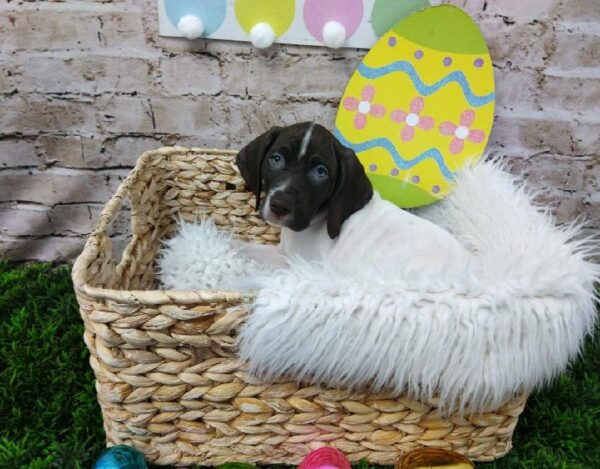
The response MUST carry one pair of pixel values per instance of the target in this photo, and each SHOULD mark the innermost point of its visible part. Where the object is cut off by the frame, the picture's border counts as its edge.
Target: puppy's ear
(352, 190)
(250, 160)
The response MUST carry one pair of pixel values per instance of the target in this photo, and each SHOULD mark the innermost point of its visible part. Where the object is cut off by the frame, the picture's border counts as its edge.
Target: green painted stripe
(445, 28)
(403, 194)
(386, 13)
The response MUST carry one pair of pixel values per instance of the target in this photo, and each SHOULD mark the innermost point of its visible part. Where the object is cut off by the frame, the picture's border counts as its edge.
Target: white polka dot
(364, 107)
(462, 132)
(412, 119)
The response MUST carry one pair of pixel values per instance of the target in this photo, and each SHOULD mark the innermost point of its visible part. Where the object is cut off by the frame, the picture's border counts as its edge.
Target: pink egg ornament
(326, 457)
(333, 21)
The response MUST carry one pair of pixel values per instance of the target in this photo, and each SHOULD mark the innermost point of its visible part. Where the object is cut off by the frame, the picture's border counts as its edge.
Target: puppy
(317, 191)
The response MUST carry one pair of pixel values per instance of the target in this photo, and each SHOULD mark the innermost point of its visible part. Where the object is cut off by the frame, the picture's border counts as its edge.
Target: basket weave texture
(167, 377)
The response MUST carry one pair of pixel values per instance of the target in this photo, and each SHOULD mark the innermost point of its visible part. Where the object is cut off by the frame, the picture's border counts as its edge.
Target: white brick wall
(87, 86)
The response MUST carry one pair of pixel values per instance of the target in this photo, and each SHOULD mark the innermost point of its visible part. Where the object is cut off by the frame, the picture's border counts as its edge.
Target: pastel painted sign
(332, 23)
(420, 105)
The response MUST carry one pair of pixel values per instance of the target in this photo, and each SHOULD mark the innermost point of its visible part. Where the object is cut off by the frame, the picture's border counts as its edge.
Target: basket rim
(79, 273)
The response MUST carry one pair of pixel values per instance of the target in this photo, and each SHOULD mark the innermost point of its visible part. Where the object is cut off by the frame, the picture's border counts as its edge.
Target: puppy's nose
(280, 207)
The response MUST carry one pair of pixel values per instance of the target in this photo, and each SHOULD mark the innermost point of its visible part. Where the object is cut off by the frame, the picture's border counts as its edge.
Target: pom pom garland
(191, 27)
(334, 34)
(262, 36)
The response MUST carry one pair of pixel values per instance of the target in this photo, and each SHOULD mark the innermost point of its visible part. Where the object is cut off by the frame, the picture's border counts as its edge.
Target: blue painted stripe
(425, 90)
(400, 161)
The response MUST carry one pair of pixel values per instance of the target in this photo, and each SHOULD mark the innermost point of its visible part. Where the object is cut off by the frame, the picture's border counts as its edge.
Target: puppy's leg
(264, 254)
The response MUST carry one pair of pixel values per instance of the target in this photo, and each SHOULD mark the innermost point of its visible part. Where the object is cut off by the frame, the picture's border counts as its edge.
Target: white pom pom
(334, 34)
(190, 27)
(262, 36)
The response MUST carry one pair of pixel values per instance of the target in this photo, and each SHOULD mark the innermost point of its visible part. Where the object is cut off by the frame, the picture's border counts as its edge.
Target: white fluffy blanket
(200, 257)
(510, 328)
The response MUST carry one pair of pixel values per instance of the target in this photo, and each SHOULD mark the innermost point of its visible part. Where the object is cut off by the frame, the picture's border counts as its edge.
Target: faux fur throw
(201, 257)
(505, 331)
(511, 326)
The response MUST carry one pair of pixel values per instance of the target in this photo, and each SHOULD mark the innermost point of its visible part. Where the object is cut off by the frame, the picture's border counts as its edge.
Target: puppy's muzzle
(281, 204)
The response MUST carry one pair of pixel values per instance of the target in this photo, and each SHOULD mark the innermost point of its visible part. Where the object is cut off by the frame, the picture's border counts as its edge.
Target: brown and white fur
(318, 192)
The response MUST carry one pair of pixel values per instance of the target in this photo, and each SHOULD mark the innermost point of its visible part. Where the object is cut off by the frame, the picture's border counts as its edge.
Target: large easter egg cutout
(420, 106)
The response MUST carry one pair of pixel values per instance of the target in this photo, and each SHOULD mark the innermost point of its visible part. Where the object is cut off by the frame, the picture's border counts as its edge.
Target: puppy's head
(304, 171)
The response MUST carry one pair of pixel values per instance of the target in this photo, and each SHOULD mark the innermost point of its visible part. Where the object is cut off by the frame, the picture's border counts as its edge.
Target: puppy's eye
(320, 171)
(276, 159)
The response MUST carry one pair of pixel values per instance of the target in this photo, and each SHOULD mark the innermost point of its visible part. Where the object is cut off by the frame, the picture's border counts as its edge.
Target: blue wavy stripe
(425, 90)
(400, 161)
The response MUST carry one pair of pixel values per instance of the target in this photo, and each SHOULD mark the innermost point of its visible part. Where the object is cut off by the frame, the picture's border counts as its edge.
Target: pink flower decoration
(325, 458)
(364, 107)
(412, 119)
(462, 132)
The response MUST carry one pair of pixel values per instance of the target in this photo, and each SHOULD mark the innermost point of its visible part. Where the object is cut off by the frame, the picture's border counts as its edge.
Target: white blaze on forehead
(305, 140)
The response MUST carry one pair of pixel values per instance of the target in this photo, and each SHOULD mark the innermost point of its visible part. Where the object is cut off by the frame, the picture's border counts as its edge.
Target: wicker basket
(166, 372)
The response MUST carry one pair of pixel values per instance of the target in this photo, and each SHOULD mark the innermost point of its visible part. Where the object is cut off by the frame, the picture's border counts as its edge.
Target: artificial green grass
(49, 417)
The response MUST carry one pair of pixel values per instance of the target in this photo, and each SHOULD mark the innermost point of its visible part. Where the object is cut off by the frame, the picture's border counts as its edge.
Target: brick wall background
(86, 86)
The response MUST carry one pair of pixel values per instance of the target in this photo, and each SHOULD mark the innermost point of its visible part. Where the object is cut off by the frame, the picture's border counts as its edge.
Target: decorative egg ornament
(325, 457)
(420, 106)
(121, 457)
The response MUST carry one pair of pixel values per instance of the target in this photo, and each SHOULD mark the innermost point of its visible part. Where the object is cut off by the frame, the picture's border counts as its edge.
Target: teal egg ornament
(121, 457)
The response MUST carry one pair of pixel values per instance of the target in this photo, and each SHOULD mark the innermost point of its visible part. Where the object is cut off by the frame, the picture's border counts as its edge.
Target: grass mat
(49, 416)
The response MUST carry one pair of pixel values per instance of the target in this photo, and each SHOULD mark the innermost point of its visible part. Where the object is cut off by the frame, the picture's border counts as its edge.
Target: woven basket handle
(113, 206)
(98, 243)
